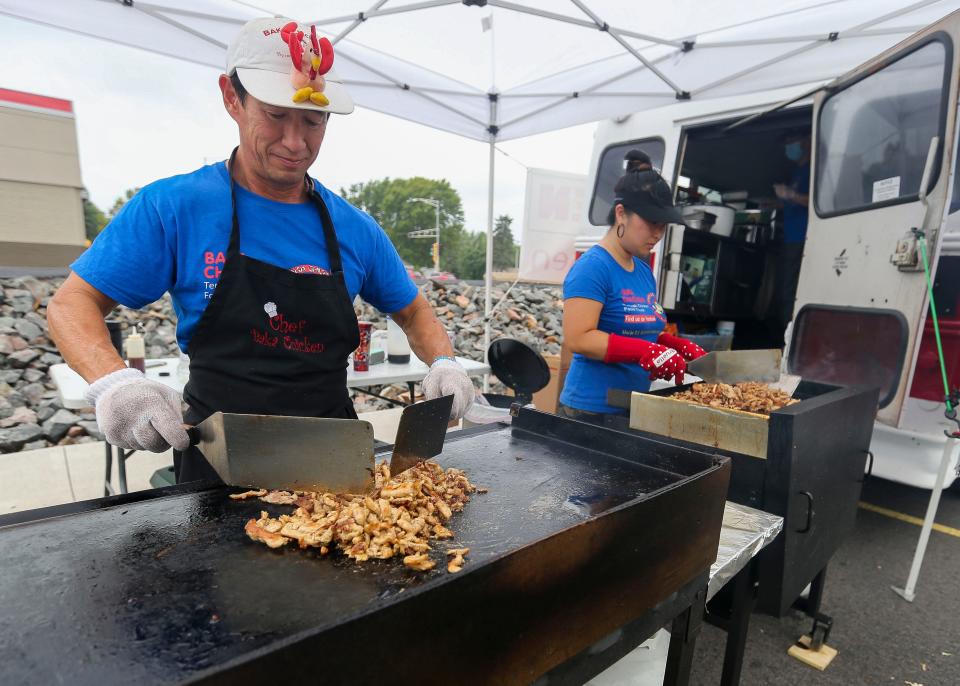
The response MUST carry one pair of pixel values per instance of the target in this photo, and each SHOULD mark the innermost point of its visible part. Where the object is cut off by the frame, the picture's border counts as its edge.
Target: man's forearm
(77, 327)
(428, 339)
(426, 335)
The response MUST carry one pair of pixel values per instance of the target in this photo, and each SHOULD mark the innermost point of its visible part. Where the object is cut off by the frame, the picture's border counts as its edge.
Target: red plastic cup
(361, 356)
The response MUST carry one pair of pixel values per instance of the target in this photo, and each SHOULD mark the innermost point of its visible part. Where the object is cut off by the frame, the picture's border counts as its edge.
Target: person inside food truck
(612, 322)
(262, 263)
(794, 196)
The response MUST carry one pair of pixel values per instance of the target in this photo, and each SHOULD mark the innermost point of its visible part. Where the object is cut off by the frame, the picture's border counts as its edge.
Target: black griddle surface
(161, 589)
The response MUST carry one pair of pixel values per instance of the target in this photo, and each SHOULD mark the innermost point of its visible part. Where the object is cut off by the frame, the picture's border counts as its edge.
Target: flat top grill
(162, 589)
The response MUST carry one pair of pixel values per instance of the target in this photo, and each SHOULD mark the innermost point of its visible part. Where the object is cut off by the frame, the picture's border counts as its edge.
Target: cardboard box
(546, 398)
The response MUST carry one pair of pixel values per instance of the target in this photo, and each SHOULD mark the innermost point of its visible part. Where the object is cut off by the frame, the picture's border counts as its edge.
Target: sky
(142, 116)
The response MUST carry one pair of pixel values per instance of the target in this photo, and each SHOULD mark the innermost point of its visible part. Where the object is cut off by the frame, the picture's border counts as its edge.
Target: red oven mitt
(662, 362)
(688, 349)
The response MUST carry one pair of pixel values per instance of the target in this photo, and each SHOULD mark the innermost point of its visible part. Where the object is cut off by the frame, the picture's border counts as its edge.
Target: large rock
(6, 409)
(20, 300)
(48, 359)
(59, 424)
(6, 345)
(13, 439)
(32, 375)
(92, 429)
(33, 392)
(27, 329)
(38, 287)
(10, 375)
(36, 318)
(20, 415)
(22, 358)
(44, 412)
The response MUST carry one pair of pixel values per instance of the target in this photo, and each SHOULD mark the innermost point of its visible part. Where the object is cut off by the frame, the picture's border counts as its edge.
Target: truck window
(611, 168)
(850, 346)
(873, 136)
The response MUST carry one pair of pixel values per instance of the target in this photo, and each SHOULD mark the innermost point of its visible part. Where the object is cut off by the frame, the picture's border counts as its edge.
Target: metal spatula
(735, 366)
(423, 427)
(288, 453)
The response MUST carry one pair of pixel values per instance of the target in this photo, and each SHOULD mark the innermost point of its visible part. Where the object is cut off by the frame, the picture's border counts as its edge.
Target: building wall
(40, 213)
(40, 185)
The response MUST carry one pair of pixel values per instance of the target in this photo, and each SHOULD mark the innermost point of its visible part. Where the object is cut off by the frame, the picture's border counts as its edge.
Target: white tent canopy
(543, 65)
(494, 70)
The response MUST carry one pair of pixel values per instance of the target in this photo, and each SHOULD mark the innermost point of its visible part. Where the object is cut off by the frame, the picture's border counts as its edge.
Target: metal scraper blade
(423, 426)
(288, 453)
(736, 366)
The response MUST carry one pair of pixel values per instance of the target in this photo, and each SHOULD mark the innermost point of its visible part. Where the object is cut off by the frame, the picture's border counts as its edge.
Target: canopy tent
(494, 70)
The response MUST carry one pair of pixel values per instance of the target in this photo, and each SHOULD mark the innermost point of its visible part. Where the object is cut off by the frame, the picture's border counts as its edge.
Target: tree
(504, 249)
(473, 261)
(121, 201)
(388, 201)
(93, 219)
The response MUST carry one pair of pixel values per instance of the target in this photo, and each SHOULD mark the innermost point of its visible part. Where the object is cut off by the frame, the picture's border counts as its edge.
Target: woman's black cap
(645, 192)
(638, 159)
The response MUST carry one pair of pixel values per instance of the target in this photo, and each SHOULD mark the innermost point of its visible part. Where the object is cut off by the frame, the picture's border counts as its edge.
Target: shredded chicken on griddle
(749, 397)
(399, 518)
(456, 559)
(262, 535)
(249, 494)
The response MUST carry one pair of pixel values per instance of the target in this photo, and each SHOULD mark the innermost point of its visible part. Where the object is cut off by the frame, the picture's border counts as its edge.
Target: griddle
(584, 530)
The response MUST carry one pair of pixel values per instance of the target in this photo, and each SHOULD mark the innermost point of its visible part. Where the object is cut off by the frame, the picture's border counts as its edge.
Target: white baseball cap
(261, 59)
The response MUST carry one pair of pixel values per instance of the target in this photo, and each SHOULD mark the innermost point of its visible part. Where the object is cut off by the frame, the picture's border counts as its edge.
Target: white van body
(847, 268)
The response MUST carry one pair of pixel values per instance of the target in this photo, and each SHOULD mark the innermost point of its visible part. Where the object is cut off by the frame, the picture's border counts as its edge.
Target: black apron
(270, 342)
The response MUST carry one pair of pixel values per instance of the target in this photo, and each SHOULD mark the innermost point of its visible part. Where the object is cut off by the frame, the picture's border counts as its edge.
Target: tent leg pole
(908, 591)
(488, 297)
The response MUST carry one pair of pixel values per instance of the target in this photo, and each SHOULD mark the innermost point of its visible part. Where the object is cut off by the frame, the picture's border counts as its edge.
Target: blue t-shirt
(795, 215)
(173, 236)
(630, 308)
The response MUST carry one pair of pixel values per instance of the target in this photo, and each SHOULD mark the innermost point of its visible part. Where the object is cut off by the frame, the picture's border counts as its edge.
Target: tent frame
(493, 127)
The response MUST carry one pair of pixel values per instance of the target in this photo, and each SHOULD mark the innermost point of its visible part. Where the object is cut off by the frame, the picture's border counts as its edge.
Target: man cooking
(262, 263)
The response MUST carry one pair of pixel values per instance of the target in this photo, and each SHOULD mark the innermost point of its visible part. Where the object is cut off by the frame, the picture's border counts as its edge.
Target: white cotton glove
(448, 377)
(138, 414)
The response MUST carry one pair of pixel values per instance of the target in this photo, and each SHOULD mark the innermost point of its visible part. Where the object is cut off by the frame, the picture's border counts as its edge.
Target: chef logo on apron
(285, 333)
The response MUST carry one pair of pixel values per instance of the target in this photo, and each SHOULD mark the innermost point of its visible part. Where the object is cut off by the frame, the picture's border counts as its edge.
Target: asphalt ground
(881, 638)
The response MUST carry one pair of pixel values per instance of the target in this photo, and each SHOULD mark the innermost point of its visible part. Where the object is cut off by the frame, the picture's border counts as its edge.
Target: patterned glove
(448, 377)
(135, 413)
(687, 348)
(662, 362)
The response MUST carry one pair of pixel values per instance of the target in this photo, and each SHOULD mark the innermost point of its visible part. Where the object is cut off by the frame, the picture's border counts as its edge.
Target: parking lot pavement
(882, 639)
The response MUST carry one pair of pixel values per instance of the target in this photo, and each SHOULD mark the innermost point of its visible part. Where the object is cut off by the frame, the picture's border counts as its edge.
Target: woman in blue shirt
(612, 322)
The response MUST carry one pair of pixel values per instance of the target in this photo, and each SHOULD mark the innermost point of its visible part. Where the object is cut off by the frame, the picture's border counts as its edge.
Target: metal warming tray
(805, 462)
(584, 530)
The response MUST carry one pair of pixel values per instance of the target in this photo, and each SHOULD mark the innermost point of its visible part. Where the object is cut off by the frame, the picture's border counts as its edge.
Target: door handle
(809, 496)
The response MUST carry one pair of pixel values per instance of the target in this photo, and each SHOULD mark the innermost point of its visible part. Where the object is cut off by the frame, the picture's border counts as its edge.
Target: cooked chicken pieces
(456, 559)
(279, 498)
(261, 535)
(421, 562)
(749, 396)
(398, 518)
(249, 494)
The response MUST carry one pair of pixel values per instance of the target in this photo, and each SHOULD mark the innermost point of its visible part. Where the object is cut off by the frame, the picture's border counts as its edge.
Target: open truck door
(884, 144)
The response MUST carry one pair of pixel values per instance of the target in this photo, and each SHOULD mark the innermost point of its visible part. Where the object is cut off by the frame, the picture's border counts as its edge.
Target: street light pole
(436, 226)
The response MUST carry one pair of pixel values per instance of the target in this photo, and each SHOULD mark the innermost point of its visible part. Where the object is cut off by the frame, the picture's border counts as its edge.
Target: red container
(927, 380)
(361, 356)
